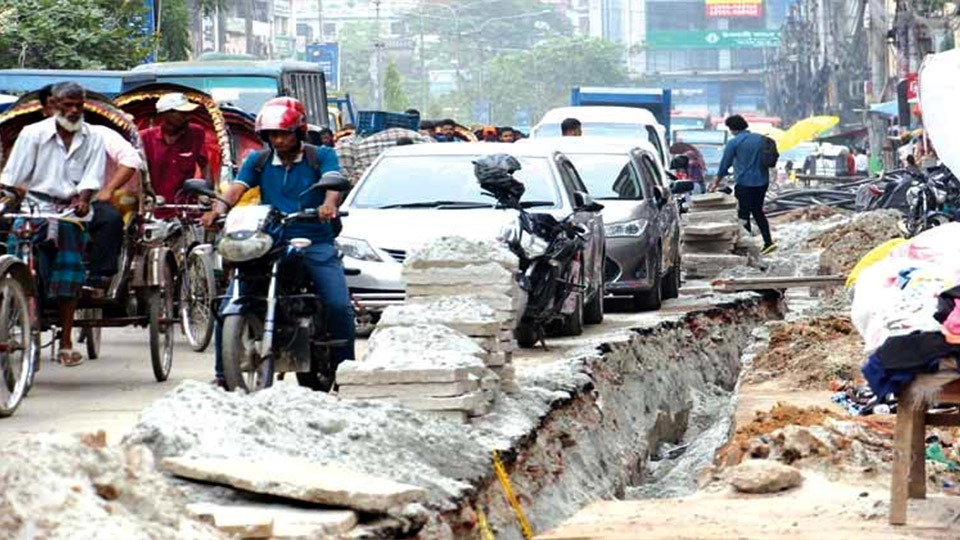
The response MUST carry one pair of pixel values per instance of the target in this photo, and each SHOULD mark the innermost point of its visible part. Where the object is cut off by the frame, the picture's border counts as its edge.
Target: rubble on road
(763, 476)
(808, 214)
(282, 521)
(809, 352)
(713, 240)
(844, 246)
(59, 486)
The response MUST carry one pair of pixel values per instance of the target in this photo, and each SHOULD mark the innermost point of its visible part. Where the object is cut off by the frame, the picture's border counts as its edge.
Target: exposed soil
(810, 352)
(781, 416)
(844, 246)
(808, 214)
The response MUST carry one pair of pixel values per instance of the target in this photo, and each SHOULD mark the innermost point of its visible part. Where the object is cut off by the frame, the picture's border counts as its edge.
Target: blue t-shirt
(280, 187)
(743, 153)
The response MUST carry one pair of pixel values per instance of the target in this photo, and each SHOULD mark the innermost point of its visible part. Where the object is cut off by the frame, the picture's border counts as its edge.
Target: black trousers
(106, 236)
(750, 203)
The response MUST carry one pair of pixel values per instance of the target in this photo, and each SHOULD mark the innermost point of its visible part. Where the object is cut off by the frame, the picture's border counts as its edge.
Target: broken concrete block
(495, 359)
(456, 251)
(288, 521)
(711, 230)
(711, 216)
(362, 373)
(710, 265)
(371, 391)
(764, 476)
(300, 480)
(716, 248)
(432, 337)
(473, 276)
(466, 402)
(464, 314)
(459, 417)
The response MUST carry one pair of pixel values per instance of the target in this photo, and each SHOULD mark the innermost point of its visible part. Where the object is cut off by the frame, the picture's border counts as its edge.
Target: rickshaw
(198, 284)
(140, 294)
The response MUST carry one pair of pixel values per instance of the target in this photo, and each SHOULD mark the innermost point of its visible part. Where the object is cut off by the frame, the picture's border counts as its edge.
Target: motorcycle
(931, 201)
(273, 322)
(550, 251)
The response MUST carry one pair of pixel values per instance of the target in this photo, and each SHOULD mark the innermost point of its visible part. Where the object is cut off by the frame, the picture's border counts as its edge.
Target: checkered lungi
(60, 261)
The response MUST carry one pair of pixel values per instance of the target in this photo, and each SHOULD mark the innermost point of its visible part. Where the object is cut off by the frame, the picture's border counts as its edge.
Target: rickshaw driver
(288, 173)
(175, 148)
(58, 163)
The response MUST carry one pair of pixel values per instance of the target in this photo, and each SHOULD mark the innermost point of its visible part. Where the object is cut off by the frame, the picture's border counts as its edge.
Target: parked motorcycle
(274, 322)
(550, 251)
(932, 201)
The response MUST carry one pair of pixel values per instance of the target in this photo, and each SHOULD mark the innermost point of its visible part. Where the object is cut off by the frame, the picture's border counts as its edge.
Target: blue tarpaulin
(887, 108)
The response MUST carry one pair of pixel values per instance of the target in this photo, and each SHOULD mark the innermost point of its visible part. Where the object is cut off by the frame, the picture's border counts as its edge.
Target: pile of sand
(844, 246)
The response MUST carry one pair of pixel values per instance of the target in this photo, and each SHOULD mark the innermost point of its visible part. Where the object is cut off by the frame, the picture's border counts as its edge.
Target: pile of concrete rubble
(449, 349)
(713, 240)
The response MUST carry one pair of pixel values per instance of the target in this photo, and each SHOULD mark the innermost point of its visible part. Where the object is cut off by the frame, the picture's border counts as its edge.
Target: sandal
(70, 358)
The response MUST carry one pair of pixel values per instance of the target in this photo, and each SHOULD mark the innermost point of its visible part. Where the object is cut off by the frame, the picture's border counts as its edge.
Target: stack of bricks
(713, 239)
(485, 272)
(429, 368)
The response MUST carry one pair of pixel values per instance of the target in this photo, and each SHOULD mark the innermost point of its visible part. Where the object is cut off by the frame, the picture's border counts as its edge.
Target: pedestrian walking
(748, 153)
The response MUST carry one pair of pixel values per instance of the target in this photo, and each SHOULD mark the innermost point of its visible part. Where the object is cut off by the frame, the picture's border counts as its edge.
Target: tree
(356, 50)
(80, 34)
(541, 78)
(174, 31)
(394, 98)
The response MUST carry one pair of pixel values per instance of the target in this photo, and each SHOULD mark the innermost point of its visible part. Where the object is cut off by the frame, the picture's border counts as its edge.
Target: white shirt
(119, 152)
(863, 162)
(40, 162)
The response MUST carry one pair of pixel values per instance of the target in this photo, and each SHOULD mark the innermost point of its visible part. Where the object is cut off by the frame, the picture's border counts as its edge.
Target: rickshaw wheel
(36, 351)
(91, 336)
(159, 311)
(16, 362)
(197, 293)
(240, 336)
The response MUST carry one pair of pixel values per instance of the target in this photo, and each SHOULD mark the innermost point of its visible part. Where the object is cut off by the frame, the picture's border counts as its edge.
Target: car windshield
(712, 153)
(247, 93)
(686, 123)
(447, 182)
(607, 176)
(597, 129)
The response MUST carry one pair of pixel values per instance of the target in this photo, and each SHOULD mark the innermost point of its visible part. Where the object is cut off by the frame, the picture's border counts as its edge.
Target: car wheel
(527, 335)
(671, 280)
(593, 310)
(573, 323)
(652, 299)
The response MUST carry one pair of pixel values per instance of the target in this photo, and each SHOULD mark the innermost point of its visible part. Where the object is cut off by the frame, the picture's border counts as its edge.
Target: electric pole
(877, 42)
(320, 21)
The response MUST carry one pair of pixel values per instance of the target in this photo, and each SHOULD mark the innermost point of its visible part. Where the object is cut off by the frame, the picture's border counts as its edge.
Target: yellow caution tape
(511, 498)
(485, 532)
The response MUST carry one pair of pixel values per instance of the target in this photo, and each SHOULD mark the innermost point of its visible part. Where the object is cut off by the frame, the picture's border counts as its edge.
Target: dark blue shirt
(743, 153)
(280, 187)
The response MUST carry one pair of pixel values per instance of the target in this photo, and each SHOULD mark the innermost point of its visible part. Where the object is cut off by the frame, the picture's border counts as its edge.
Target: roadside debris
(763, 476)
(713, 239)
(844, 246)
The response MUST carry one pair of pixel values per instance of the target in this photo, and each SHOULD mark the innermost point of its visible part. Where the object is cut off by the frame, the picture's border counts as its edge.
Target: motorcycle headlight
(912, 195)
(626, 229)
(533, 245)
(940, 195)
(244, 246)
(358, 249)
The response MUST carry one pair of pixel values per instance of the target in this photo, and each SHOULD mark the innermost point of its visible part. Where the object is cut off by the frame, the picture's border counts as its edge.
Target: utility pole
(378, 45)
(877, 42)
(320, 21)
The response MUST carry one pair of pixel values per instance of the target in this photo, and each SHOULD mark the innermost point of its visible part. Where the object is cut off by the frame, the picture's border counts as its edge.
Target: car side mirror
(659, 196)
(681, 186)
(583, 202)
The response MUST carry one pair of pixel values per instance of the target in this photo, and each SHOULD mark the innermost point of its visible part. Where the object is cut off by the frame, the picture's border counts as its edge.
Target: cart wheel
(36, 351)
(16, 362)
(159, 312)
(243, 367)
(91, 336)
(197, 292)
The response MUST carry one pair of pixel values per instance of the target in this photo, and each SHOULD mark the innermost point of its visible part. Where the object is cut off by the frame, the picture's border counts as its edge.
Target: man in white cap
(175, 148)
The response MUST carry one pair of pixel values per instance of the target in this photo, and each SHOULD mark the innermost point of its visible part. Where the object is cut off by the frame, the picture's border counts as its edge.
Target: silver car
(641, 216)
(417, 193)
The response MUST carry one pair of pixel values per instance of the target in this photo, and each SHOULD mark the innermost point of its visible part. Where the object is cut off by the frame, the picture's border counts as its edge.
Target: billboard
(734, 8)
(328, 56)
(718, 39)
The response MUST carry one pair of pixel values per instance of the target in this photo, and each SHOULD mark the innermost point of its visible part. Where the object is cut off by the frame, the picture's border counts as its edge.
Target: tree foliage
(174, 31)
(541, 78)
(80, 34)
(394, 97)
(356, 51)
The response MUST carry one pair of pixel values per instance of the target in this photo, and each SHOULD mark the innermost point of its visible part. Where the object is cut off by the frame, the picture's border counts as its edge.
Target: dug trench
(655, 393)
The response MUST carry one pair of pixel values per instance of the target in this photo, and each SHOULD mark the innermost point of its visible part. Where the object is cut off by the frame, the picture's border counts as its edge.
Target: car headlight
(358, 249)
(626, 229)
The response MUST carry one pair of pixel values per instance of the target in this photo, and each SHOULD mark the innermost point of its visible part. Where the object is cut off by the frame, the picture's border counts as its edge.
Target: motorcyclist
(282, 123)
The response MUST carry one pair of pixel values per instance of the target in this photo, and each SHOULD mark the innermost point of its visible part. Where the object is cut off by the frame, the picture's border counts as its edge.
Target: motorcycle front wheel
(243, 367)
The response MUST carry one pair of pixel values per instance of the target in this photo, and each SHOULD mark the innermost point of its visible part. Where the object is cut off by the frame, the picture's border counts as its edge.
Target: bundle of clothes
(906, 308)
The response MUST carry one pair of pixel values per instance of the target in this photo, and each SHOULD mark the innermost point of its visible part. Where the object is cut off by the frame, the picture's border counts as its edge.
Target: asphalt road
(109, 393)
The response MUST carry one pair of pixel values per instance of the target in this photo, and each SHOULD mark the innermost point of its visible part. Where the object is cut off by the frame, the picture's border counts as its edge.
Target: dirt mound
(810, 352)
(781, 416)
(844, 246)
(57, 486)
(810, 213)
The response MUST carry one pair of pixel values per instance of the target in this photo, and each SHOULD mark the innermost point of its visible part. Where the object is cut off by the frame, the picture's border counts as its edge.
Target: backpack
(769, 155)
(310, 154)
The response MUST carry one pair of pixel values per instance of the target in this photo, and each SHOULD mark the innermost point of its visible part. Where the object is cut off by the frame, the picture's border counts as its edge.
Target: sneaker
(219, 382)
(769, 249)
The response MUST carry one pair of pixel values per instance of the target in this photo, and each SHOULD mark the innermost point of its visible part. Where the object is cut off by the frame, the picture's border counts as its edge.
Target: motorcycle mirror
(681, 186)
(330, 181)
(198, 186)
(585, 203)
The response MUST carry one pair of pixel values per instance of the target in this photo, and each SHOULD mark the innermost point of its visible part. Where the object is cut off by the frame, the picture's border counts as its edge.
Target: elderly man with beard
(58, 164)
(175, 148)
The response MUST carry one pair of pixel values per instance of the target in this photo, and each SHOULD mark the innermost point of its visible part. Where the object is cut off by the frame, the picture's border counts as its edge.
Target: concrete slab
(711, 230)
(466, 402)
(457, 252)
(300, 480)
(287, 521)
(475, 275)
(371, 391)
(354, 373)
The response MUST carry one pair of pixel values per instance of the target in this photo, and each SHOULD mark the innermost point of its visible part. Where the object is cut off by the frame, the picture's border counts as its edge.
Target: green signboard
(284, 47)
(717, 39)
